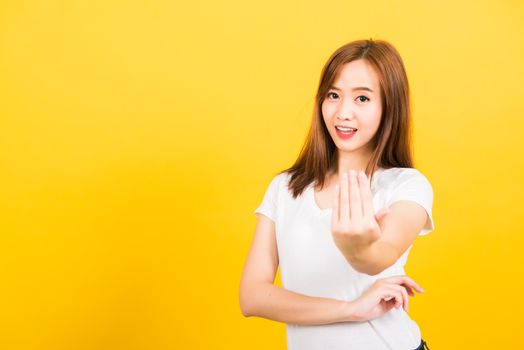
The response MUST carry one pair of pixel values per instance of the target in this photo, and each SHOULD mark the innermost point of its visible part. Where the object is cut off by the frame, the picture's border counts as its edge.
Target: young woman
(341, 221)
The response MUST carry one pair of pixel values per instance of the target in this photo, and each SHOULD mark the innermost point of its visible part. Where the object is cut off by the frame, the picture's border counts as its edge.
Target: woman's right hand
(382, 296)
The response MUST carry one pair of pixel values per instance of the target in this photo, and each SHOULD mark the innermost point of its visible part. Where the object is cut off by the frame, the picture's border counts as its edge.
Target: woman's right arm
(260, 297)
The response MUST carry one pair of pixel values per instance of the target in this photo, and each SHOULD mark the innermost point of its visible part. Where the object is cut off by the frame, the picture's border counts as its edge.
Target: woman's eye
(362, 96)
(331, 94)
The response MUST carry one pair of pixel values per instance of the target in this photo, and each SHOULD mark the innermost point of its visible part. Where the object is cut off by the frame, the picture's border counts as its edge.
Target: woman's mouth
(345, 133)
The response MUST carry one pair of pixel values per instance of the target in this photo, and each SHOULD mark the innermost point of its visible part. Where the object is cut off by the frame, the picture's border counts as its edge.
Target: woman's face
(353, 101)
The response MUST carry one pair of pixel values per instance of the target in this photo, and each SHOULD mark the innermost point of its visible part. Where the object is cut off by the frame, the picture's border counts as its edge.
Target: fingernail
(352, 172)
(362, 174)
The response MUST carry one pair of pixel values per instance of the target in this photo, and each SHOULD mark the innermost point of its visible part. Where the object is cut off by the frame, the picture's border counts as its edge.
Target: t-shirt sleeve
(416, 187)
(268, 206)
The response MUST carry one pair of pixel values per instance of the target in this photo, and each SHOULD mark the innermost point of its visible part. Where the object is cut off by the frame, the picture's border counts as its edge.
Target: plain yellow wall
(138, 137)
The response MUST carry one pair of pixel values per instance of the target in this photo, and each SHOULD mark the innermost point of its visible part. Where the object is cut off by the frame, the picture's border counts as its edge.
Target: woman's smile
(345, 135)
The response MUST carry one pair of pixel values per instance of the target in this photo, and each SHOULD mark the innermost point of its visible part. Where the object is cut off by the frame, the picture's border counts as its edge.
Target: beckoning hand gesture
(354, 223)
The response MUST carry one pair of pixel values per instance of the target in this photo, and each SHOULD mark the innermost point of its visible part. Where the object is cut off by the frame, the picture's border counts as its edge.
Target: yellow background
(138, 137)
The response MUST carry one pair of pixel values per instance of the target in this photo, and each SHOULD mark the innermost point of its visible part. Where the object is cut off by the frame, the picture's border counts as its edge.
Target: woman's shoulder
(278, 181)
(281, 178)
(401, 171)
(398, 175)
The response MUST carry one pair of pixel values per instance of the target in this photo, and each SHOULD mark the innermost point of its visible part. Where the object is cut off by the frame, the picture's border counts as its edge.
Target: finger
(366, 196)
(344, 199)
(392, 293)
(387, 293)
(388, 305)
(355, 204)
(336, 200)
(405, 298)
(409, 290)
(405, 280)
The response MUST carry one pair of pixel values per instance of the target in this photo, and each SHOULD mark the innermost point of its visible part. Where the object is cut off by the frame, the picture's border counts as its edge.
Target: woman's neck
(353, 161)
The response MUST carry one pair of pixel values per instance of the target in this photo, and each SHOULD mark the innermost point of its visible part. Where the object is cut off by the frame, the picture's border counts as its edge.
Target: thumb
(390, 304)
(379, 216)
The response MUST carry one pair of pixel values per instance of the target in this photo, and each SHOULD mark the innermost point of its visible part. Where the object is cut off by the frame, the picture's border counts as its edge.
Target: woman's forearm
(278, 304)
(372, 259)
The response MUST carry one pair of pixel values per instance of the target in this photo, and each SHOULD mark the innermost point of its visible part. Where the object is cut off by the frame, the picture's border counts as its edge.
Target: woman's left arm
(372, 243)
(401, 227)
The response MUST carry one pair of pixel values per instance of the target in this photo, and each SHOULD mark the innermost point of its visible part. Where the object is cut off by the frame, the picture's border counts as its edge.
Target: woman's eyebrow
(355, 88)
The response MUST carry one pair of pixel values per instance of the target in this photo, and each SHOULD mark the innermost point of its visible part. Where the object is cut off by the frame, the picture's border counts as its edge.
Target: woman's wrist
(350, 312)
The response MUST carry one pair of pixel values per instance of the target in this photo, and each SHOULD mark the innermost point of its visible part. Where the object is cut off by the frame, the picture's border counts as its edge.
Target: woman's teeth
(342, 129)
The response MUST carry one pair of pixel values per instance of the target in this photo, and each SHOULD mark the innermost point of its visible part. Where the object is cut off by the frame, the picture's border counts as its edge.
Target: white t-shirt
(311, 264)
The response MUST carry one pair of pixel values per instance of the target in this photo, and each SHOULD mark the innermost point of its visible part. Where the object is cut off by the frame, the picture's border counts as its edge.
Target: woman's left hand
(354, 223)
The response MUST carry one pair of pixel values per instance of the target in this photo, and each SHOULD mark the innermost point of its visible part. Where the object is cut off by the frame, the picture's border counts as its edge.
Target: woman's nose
(348, 115)
(346, 111)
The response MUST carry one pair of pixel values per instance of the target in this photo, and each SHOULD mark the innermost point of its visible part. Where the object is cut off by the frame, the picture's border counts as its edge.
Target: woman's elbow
(245, 310)
(245, 299)
(369, 269)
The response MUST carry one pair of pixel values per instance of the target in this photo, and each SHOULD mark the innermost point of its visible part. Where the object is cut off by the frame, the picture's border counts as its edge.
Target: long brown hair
(392, 141)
